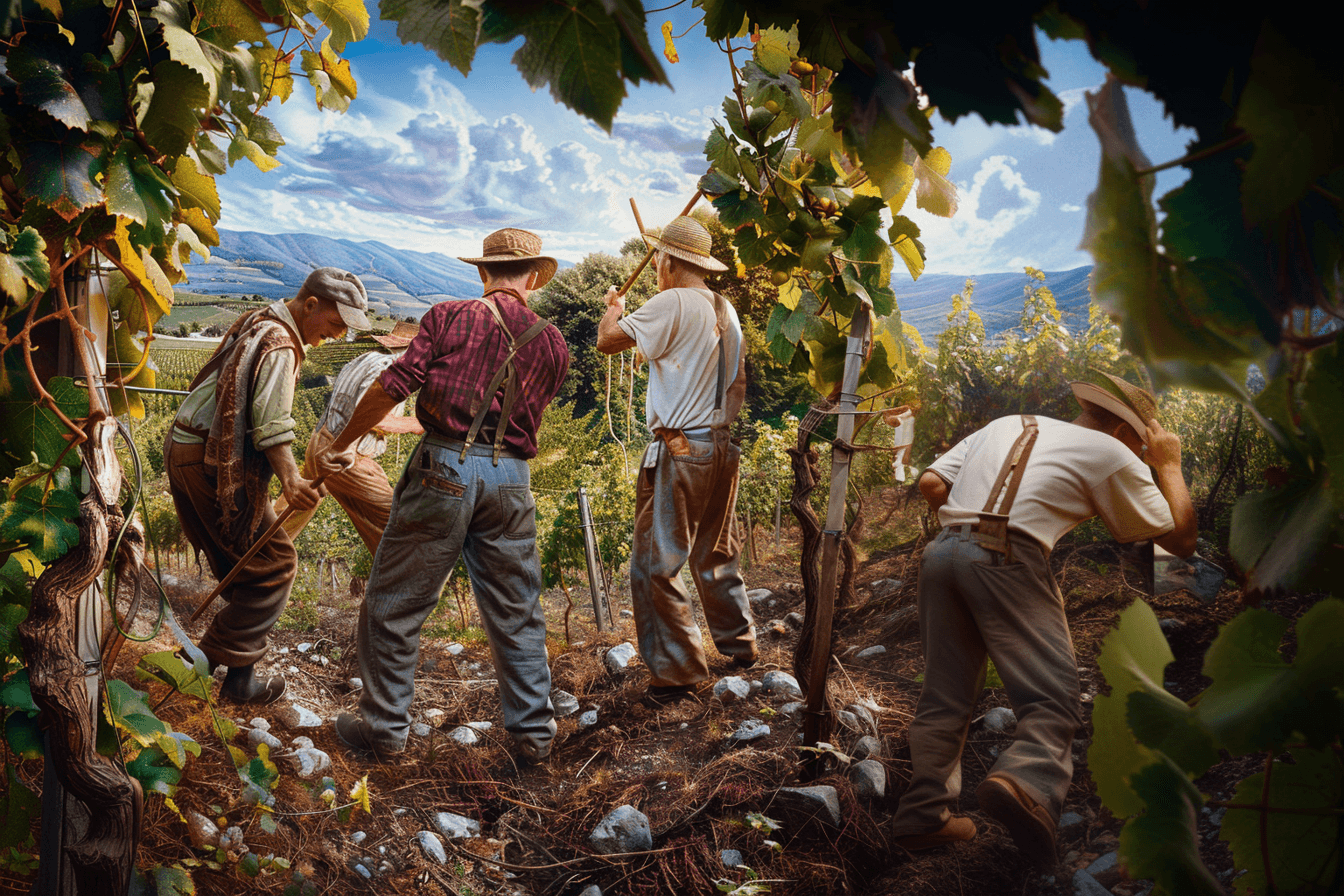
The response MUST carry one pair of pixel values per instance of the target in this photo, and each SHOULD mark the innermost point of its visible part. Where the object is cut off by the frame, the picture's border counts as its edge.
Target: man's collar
(280, 311)
(508, 291)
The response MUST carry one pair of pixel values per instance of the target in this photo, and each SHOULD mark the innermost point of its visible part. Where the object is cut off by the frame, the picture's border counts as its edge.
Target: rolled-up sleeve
(273, 400)
(653, 325)
(407, 374)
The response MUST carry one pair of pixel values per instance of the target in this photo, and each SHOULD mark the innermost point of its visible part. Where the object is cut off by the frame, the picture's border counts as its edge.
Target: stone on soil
(883, 587)
(304, 647)
(866, 747)
(793, 710)
(258, 736)
(588, 719)
(1069, 820)
(454, 826)
(1085, 884)
(731, 688)
(626, 614)
(731, 858)
(870, 653)
(776, 628)
(749, 730)
(355, 683)
(432, 846)
(756, 595)
(565, 703)
(776, 682)
(819, 801)
(454, 649)
(864, 716)
(420, 729)
(870, 780)
(298, 716)
(203, 832)
(463, 735)
(794, 620)
(591, 890)
(1000, 719)
(617, 659)
(1103, 863)
(261, 723)
(358, 837)
(625, 829)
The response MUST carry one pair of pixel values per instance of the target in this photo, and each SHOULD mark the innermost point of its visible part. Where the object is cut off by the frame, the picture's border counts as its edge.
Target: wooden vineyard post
(816, 718)
(596, 580)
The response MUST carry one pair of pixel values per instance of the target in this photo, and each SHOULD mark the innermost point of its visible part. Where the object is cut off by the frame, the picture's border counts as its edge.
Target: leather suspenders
(993, 525)
(506, 375)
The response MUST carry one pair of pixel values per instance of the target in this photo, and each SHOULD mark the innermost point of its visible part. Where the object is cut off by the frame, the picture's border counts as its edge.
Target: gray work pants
(684, 512)
(972, 605)
(444, 508)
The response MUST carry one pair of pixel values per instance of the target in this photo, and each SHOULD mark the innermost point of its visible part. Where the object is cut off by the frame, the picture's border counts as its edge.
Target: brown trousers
(362, 491)
(684, 513)
(972, 605)
(256, 598)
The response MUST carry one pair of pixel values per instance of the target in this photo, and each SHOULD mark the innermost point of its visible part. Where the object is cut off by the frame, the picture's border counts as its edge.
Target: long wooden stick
(639, 222)
(684, 212)
(251, 552)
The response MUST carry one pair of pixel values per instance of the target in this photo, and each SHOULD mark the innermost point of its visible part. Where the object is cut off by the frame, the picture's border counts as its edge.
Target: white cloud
(1070, 207)
(993, 205)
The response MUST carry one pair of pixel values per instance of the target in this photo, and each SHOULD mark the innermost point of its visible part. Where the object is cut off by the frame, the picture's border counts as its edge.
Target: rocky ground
(702, 796)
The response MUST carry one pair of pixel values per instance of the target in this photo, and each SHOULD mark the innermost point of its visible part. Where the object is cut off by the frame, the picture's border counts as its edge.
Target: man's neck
(686, 280)
(516, 288)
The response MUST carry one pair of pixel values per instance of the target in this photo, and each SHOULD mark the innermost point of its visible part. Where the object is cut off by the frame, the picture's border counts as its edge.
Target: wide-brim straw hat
(687, 239)
(512, 244)
(1132, 404)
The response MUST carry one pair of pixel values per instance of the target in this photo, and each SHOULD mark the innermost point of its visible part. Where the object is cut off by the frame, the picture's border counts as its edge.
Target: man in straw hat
(485, 369)
(362, 490)
(1005, 495)
(687, 486)
(230, 434)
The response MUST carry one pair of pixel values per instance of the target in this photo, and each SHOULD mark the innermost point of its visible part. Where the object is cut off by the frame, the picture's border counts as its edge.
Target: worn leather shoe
(958, 828)
(1032, 828)
(666, 694)
(241, 685)
(357, 734)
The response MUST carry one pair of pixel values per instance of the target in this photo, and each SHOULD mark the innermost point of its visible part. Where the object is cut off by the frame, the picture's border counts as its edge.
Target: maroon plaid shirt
(454, 356)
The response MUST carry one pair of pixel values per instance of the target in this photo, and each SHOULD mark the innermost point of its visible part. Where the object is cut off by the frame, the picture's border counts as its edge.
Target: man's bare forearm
(1182, 540)
(370, 411)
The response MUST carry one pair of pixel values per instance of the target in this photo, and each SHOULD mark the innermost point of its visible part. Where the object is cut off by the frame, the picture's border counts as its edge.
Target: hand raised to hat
(1164, 447)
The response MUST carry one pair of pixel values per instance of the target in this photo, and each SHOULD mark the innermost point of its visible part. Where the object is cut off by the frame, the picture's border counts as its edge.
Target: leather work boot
(1032, 828)
(357, 734)
(242, 686)
(958, 828)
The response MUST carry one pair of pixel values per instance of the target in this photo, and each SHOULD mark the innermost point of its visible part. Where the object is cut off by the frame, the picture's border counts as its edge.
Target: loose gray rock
(756, 595)
(362, 871)
(304, 647)
(308, 760)
(866, 747)
(283, 650)
(753, 686)
(626, 614)
(232, 839)
(203, 832)
(358, 837)
(591, 890)
(261, 723)
(565, 703)
(420, 729)
(864, 716)
(588, 719)
(870, 653)
(258, 736)
(433, 714)
(731, 688)
(355, 683)
(1104, 863)
(794, 620)
(776, 682)
(432, 846)
(1000, 719)
(296, 715)
(1194, 574)
(456, 827)
(617, 659)
(869, 779)
(480, 726)
(454, 649)
(849, 720)
(292, 670)
(1085, 884)
(749, 730)
(463, 735)
(794, 710)
(625, 829)
(1170, 626)
(883, 587)
(730, 858)
(819, 801)
(1070, 820)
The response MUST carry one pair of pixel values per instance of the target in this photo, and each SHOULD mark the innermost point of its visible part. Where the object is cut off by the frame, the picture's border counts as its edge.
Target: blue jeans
(444, 508)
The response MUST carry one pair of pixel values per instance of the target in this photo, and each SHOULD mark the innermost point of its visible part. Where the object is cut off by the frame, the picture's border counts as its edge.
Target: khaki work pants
(362, 491)
(684, 513)
(973, 605)
(255, 599)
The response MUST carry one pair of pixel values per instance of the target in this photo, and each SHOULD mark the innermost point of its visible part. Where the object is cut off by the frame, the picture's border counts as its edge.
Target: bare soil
(673, 763)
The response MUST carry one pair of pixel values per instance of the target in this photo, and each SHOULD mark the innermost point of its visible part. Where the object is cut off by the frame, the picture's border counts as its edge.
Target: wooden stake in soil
(596, 578)
(816, 718)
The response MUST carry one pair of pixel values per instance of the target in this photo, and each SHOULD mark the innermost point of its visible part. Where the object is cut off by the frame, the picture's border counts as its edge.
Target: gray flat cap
(343, 288)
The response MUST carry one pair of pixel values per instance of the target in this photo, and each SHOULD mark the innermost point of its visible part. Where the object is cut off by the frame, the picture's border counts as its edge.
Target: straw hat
(1131, 404)
(512, 244)
(687, 239)
(400, 337)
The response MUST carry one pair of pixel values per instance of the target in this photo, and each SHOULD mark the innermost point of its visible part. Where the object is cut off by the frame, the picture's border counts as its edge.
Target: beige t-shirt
(1073, 474)
(675, 331)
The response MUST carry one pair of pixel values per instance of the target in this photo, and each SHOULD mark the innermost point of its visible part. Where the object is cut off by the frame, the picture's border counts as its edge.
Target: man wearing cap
(687, 486)
(485, 370)
(362, 490)
(1005, 495)
(232, 432)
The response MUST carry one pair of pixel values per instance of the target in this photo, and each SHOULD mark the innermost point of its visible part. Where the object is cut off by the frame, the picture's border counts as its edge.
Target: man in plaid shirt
(485, 370)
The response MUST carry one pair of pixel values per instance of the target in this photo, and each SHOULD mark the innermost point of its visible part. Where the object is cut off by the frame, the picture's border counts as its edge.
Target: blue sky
(429, 160)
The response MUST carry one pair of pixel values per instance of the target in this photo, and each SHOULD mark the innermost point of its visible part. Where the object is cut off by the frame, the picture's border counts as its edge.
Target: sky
(429, 160)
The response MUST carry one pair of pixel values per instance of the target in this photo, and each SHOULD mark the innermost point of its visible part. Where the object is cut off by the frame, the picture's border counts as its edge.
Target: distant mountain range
(402, 283)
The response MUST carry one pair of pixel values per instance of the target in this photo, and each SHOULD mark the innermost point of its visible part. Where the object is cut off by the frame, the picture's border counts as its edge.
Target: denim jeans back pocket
(518, 510)
(430, 496)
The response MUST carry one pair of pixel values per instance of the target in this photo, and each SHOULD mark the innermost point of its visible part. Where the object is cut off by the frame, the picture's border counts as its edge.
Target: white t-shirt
(1073, 474)
(675, 330)
(351, 383)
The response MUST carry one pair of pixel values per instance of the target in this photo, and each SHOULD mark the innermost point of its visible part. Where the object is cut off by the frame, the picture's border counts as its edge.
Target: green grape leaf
(716, 183)
(155, 771)
(904, 237)
(1303, 826)
(167, 667)
(347, 19)
(1165, 723)
(818, 138)
(19, 808)
(127, 710)
(31, 429)
(1291, 109)
(935, 193)
(24, 265)
(721, 150)
(62, 173)
(52, 79)
(17, 693)
(1162, 843)
(1257, 700)
(181, 96)
(249, 865)
(723, 18)
(1132, 659)
(1322, 395)
(450, 28)
(11, 615)
(43, 519)
(775, 50)
(177, 746)
(734, 211)
(184, 48)
(195, 188)
(173, 881)
(24, 735)
(137, 189)
(233, 21)
(1283, 535)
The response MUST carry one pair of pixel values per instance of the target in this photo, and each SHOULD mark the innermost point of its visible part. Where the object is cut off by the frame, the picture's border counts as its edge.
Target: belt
(475, 449)
(191, 430)
(976, 529)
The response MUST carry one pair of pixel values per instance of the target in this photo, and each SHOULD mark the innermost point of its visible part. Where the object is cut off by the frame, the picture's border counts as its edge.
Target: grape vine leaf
(165, 666)
(1304, 826)
(180, 98)
(127, 710)
(1279, 535)
(450, 28)
(155, 771)
(138, 190)
(23, 265)
(1162, 843)
(19, 808)
(348, 20)
(62, 172)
